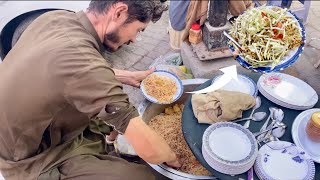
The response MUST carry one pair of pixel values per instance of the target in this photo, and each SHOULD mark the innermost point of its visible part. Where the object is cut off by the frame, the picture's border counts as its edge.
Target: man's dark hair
(141, 10)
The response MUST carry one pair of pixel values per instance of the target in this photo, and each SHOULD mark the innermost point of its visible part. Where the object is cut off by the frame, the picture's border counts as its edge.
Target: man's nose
(128, 42)
(134, 39)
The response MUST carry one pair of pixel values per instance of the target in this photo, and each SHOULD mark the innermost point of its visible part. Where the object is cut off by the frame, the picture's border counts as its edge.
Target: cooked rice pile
(168, 125)
(160, 87)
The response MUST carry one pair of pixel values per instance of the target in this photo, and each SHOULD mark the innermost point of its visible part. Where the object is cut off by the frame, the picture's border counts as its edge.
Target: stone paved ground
(311, 54)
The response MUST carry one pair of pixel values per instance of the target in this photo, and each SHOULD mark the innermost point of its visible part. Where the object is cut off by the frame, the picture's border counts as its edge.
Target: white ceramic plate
(244, 84)
(300, 136)
(226, 169)
(280, 160)
(172, 77)
(287, 91)
(281, 103)
(229, 146)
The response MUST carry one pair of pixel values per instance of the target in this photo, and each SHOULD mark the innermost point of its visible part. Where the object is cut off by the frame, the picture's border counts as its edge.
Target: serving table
(193, 131)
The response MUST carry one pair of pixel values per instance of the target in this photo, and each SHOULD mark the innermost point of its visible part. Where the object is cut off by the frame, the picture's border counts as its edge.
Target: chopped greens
(266, 35)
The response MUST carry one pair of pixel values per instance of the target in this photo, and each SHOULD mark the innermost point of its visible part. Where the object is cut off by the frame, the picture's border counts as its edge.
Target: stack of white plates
(287, 91)
(283, 160)
(229, 148)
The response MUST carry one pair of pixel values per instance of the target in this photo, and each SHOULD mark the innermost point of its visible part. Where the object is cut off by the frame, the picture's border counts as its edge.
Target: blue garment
(280, 3)
(178, 13)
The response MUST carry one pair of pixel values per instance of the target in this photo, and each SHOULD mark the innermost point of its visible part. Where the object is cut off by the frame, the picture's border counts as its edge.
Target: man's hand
(132, 78)
(139, 76)
(148, 144)
(175, 164)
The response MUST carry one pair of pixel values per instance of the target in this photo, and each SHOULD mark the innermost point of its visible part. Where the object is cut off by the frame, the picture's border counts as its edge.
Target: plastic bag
(171, 63)
(181, 71)
(170, 59)
(122, 146)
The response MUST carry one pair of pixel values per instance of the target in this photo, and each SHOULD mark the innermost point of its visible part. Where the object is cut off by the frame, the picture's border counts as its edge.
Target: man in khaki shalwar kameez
(56, 89)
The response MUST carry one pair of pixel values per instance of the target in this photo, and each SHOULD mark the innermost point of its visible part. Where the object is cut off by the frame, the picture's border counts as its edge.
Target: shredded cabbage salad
(266, 35)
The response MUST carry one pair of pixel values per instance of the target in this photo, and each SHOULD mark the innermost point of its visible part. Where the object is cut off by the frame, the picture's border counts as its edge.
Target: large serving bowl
(149, 110)
(287, 60)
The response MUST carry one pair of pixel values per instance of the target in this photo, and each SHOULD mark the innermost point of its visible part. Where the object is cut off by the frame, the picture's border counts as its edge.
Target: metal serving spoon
(275, 135)
(258, 116)
(265, 125)
(233, 40)
(258, 104)
(278, 125)
(278, 132)
(278, 116)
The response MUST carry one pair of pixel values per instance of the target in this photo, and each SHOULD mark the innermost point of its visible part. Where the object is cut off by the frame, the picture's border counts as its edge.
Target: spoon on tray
(277, 125)
(256, 106)
(233, 40)
(265, 125)
(273, 135)
(278, 131)
(258, 116)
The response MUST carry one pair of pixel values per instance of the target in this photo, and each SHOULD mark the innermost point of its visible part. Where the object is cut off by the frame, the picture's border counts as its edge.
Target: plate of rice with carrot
(162, 87)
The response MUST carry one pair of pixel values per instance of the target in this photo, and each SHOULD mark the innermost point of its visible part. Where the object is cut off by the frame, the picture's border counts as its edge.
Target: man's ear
(120, 12)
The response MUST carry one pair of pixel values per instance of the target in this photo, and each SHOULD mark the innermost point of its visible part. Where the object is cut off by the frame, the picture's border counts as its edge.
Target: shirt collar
(84, 20)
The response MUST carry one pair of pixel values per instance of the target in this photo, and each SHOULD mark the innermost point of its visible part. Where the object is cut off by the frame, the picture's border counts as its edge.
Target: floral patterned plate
(283, 160)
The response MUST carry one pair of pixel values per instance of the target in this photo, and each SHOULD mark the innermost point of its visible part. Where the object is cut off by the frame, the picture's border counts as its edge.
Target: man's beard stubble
(112, 37)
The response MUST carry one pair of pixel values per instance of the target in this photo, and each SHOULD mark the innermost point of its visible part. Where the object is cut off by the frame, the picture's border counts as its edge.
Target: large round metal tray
(148, 110)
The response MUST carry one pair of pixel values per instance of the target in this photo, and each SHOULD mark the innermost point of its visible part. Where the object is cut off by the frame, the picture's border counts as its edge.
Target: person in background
(238, 7)
(182, 14)
(177, 22)
(280, 3)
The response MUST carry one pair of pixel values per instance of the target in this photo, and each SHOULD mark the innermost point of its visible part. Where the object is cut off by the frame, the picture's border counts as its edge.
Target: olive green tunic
(53, 84)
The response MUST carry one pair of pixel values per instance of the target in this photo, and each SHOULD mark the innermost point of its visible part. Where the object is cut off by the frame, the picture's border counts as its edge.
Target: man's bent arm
(150, 146)
(132, 78)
